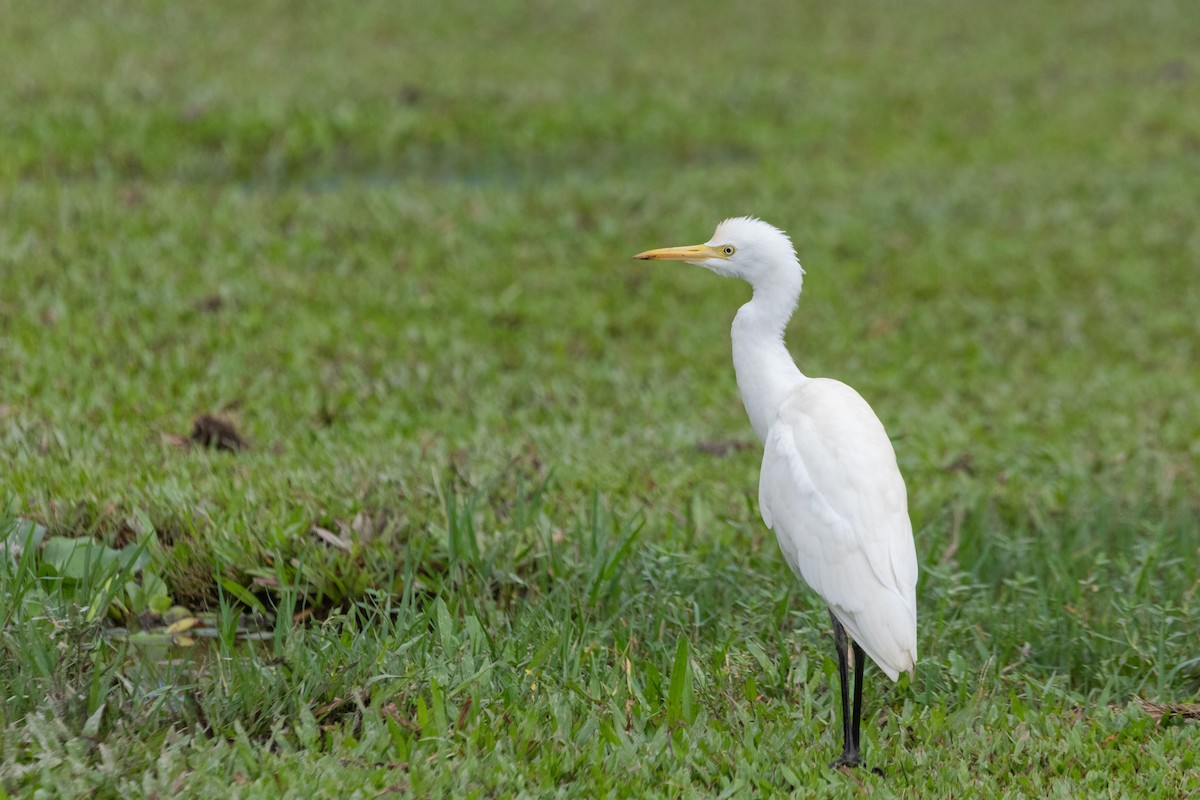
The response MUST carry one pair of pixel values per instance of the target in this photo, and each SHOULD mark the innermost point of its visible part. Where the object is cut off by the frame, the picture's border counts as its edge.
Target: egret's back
(832, 492)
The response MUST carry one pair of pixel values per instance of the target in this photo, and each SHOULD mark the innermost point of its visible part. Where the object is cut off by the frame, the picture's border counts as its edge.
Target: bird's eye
(728, 250)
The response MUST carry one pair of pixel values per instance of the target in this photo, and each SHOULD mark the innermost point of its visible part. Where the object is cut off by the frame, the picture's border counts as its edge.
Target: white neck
(765, 370)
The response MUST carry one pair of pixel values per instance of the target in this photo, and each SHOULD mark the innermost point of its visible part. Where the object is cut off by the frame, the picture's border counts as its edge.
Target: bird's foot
(850, 759)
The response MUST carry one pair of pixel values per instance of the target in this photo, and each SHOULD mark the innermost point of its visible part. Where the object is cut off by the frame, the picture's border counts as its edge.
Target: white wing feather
(831, 491)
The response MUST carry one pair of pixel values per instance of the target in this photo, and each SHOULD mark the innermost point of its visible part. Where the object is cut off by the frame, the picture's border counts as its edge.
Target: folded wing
(831, 491)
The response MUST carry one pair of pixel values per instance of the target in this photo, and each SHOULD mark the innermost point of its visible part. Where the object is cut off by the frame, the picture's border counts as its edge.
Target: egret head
(740, 247)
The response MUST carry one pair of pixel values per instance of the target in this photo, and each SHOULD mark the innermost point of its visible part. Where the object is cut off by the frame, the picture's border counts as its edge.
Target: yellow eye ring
(728, 250)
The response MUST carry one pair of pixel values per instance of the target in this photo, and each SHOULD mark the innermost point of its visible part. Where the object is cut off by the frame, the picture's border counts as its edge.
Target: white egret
(829, 486)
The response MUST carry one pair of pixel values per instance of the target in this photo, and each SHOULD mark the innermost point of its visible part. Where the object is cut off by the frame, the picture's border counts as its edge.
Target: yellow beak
(695, 252)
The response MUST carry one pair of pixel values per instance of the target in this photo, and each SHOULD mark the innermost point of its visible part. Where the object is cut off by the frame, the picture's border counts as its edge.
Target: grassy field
(493, 530)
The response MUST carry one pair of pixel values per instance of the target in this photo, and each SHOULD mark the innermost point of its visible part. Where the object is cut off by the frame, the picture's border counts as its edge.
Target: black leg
(860, 666)
(850, 730)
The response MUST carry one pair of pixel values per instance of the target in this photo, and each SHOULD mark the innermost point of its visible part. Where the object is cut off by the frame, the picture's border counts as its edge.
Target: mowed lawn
(492, 526)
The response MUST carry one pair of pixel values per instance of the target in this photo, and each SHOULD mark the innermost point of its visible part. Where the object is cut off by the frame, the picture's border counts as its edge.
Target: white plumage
(831, 491)
(830, 487)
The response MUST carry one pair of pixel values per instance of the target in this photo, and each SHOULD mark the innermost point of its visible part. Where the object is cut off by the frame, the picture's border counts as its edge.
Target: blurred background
(416, 224)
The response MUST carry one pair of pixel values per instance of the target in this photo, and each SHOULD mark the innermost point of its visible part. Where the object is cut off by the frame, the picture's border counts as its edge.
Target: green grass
(392, 246)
